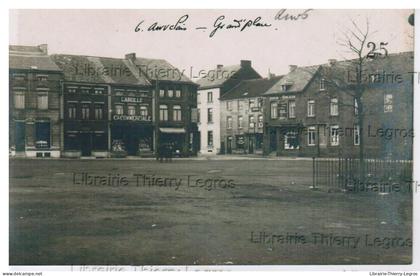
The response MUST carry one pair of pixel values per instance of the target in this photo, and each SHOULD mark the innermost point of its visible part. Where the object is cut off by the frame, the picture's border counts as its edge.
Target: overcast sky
(111, 33)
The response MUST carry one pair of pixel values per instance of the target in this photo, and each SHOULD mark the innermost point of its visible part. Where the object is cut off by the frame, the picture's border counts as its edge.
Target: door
(229, 145)
(86, 144)
(273, 140)
(20, 136)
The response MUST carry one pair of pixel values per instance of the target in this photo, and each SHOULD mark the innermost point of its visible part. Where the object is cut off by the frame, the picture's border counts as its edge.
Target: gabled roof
(30, 58)
(99, 70)
(219, 76)
(296, 80)
(159, 69)
(250, 88)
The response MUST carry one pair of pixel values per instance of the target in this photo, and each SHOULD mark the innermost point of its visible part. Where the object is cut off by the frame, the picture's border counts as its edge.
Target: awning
(172, 130)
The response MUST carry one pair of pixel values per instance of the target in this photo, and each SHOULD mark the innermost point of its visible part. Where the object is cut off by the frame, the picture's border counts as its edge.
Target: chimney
(219, 66)
(131, 56)
(332, 61)
(245, 63)
(271, 75)
(43, 48)
(292, 68)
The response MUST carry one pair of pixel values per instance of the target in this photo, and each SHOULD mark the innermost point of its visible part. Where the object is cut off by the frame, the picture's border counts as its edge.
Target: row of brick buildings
(72, 105)
(311, 111)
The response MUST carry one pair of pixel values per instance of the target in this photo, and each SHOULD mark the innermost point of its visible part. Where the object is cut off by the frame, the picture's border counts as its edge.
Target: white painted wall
(203, 126)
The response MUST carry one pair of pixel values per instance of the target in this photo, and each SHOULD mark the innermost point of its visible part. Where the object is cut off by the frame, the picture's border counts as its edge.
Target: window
(161, 93)
(72, 111)
(284, 87)
(131, 111)
(71, 90)
(229, 105)
(251, 121)
(98, 91)
(42, 135)
(209, 97)
(198, 115)
(311, 136)
(19, 77)
(229, 122)
(260, 121)
(163, 112)
(291, 140)
(240, 105)
(210, 115)
(311, 108)
(292, 109)
(356, 107)
(198, 98)
(177, 113)
(283, 110)
(240, 122)
(322, 85)
(98, 112)
(143, 112)
(252, 104)
(274, 110)
(42, 100)
(178, 93)
(334, 136)
(356, 135)
(388, 102)
(85, 111)
(210, 139)
(119, 110)
(42, 78)
(85, 90)
(334, 107)
(170, 93)
(19, 99)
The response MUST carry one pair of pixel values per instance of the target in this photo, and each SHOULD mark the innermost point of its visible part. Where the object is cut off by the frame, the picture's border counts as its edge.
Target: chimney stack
(43, 48)
(245, 63)
(131, 56)
(332, 61)
(292, 68)
(219, 66)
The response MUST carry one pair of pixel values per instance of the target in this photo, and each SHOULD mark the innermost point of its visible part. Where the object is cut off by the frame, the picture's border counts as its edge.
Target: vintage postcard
(183, 138)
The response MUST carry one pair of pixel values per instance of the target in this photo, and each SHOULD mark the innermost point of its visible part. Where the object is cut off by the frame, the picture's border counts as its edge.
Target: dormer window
(322, 85)
(284, 87)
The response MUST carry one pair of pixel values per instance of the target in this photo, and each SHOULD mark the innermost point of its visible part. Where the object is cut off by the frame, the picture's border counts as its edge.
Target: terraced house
(34, 107)
(106, 107)
(212, 86)
(311, 110)
(174, 101)
(242, 116)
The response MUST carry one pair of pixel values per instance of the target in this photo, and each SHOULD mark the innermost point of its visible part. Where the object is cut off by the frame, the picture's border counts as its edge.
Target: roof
(30, 58)
(160, 69)
(219, 77)
(250, 88)
(99, 70)
(297, 80)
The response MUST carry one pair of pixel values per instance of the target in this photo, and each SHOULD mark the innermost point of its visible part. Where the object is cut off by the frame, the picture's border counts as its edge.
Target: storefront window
(291, 140)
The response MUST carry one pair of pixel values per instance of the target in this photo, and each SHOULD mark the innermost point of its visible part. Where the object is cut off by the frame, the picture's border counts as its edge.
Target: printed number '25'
(373, 53)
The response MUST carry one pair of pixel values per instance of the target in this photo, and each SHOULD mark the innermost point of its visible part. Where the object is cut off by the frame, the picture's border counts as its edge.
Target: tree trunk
(360, 122)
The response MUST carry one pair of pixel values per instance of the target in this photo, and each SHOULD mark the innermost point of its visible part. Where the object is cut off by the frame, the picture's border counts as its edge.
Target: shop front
(131, 135)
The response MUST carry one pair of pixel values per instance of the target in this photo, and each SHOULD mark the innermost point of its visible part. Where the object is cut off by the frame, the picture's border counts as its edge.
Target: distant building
(34, 107)
(213, 86)
(310, 111)
(242, 116)
(174, 101)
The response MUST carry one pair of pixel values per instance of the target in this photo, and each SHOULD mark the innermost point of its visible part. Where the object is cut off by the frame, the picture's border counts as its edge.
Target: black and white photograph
(224, 138)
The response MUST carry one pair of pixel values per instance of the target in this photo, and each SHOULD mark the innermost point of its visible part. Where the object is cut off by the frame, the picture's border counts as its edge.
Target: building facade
(174, 104)
(242, 116)
(213, 86)
(106, 107)
(311, 111)
(34, 107)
